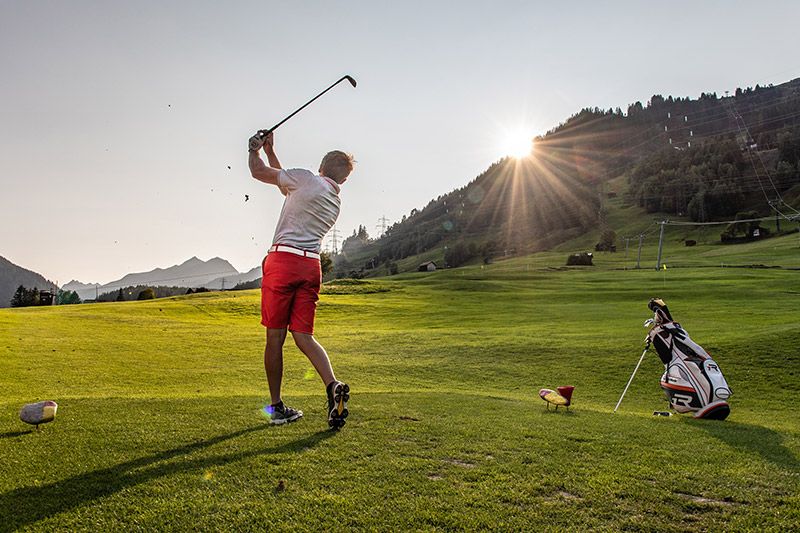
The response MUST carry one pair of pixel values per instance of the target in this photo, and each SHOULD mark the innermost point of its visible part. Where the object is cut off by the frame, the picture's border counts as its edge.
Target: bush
(325, 263)
(146, 294)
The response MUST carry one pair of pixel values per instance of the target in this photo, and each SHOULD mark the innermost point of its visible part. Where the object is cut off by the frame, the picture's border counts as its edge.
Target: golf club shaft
(273, 128)
(631, 380)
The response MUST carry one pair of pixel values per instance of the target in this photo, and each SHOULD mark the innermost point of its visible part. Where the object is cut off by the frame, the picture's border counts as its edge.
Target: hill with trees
(708, 158)
(13, 276)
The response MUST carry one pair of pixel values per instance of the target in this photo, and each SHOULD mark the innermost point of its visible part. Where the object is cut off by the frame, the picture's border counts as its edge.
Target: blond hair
(336, 165)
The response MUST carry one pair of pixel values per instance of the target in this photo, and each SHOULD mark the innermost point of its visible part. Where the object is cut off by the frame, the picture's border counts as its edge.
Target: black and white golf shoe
(282, 413)
(338, 395)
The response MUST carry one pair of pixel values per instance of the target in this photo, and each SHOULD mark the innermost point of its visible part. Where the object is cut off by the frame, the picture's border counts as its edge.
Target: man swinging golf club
(291, 270)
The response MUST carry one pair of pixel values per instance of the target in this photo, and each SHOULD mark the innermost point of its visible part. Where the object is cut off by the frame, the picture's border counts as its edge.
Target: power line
(692, 126)
(749, 149)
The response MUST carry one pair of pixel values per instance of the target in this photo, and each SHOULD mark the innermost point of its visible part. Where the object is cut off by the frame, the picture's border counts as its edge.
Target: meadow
(159, 424)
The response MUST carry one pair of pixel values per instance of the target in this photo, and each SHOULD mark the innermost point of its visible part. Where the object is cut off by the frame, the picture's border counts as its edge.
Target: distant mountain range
(12, 276)
(215, 273)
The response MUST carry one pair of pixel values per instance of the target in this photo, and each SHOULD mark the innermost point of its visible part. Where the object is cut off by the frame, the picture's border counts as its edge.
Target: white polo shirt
(309, 211)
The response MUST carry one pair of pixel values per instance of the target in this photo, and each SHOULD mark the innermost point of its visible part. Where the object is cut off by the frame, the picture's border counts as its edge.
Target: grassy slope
(159, 422)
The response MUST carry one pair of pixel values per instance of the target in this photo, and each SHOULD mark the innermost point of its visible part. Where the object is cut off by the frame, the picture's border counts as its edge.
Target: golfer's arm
(272, 158)
(262, 172)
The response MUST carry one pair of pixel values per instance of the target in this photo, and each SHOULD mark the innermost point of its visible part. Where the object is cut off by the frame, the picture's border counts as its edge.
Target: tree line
(24, 297)
(716, 178)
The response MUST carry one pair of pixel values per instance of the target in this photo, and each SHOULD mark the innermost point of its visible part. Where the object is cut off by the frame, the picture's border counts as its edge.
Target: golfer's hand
(255, 143)
(269, 140)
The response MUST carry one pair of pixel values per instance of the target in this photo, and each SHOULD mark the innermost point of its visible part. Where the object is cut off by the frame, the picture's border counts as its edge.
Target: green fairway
(159, 423)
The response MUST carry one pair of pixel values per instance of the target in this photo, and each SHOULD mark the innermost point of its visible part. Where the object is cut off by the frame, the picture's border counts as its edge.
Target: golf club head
(649, 322)
(351, 80)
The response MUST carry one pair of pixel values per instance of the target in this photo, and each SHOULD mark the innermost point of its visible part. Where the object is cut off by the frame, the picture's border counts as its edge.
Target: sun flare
(517, 144)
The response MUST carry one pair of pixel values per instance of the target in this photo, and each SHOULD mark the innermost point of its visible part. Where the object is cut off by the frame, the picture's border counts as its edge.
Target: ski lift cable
(715, 118)
(663, 135)
(738, 118)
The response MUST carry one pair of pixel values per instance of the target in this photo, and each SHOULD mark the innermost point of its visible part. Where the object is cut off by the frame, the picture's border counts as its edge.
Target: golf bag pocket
(719, 387)
(690, 386)
(682, 390)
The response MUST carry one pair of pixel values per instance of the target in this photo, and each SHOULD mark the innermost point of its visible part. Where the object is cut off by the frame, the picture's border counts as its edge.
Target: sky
(119, 120)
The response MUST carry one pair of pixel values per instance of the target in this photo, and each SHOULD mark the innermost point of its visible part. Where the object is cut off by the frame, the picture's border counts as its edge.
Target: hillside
(705, 158)
(12, 276)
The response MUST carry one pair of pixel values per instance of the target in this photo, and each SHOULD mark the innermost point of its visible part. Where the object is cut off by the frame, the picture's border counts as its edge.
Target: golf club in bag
(260, 135)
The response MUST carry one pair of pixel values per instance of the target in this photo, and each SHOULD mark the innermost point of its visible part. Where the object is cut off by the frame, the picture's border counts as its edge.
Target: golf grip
(259, 136)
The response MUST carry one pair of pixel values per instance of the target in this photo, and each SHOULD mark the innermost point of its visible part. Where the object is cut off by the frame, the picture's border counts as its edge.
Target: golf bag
(692, 380)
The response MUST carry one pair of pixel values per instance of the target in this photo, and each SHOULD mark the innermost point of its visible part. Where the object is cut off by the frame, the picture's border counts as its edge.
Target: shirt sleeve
(294, 178)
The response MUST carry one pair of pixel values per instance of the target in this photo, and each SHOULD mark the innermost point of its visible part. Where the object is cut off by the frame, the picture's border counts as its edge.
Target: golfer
(292, 273)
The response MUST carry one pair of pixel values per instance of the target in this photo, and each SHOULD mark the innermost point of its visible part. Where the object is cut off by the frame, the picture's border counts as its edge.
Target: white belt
(293, 250)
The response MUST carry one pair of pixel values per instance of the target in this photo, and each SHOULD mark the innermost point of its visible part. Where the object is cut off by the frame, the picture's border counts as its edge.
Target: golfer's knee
(302, 339)
(276, 337)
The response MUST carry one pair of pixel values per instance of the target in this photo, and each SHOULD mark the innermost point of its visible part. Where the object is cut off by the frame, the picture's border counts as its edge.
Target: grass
(159, 424)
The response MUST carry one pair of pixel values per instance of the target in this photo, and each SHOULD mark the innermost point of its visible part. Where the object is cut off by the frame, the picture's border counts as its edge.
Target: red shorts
(289, 291)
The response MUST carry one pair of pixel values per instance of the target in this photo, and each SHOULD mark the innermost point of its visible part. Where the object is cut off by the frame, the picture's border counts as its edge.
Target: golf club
(634, 373)
(261, 134)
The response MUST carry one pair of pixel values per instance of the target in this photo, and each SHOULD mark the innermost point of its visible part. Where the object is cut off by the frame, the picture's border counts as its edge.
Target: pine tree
(18, 300)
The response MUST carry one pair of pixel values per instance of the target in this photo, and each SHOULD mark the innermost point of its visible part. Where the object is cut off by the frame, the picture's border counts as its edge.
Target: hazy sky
(118, 120)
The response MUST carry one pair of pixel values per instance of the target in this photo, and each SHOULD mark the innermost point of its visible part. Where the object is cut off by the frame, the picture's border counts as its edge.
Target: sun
(517, 144)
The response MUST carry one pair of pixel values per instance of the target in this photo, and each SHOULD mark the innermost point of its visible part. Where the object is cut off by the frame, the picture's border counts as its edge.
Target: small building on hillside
(430, 266)
(46, 297)
(580, 259)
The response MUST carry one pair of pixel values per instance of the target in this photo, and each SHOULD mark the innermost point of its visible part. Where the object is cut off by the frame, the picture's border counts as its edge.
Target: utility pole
(335, 239)
(660, 244)
(639, 256)
(382, 222)
(223, 284)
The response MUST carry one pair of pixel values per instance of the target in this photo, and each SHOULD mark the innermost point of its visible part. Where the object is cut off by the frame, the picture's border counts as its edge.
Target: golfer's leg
(273, 362)
(316, 354)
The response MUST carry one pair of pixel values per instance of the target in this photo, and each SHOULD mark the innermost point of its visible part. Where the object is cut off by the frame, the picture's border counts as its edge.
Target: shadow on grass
(751, 439)
(25, 506)
(10, 434)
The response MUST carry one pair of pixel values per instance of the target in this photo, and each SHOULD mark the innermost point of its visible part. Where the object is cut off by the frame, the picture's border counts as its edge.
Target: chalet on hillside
(430, 266)
(46, 297)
